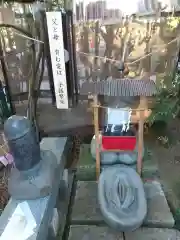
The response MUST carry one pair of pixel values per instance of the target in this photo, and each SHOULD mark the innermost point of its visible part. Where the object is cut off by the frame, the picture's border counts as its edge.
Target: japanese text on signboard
(58, 61)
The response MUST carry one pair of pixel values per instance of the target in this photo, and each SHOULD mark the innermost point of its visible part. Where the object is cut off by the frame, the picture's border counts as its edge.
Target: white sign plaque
(55, 33)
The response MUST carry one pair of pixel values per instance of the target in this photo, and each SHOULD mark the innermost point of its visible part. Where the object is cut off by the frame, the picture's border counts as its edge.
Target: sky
(126, 6)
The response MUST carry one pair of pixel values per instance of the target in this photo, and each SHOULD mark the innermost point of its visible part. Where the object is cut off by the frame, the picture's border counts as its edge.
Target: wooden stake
(143, 102)
(96, 131)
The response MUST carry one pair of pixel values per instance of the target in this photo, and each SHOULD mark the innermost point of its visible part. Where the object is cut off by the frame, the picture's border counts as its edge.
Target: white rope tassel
(129, 119)
(112, 128)
(124, 126)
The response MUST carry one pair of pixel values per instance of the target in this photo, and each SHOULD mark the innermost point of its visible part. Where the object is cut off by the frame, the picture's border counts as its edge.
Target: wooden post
(96, 130)
(96, 46)
(141, 134)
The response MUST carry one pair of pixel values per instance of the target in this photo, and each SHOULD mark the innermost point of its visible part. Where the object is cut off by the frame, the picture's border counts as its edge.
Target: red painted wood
(118, 143)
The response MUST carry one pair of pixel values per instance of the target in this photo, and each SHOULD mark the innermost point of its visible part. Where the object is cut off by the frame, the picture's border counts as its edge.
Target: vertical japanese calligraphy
(55, 33)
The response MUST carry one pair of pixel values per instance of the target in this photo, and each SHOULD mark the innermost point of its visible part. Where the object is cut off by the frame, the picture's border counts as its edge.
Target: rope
(104, 58)
(99, 57)
(29, 38)
(124, 109)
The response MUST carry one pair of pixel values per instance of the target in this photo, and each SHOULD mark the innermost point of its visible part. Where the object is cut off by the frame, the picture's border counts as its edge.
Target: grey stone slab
(159, 213)
(93, 233)
(56, 145)
(153, 234)
(62, 205)
(86, 207)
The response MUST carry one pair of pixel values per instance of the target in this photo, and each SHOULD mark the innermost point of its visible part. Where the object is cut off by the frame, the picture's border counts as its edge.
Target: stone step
(153, 234)
(79, 232)
(86, 208)
(86, 167)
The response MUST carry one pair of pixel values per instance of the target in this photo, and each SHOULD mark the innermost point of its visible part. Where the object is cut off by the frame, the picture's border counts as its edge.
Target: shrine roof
(119, 87)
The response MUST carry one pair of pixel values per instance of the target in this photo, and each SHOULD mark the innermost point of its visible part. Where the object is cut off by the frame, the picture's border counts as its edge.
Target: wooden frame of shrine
(120, 88)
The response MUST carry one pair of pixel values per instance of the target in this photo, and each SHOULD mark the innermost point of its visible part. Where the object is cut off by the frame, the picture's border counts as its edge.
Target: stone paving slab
(153, 234)
(63, 201)
(93, 233)
(86, 208)
(159, 213)
(59, 218)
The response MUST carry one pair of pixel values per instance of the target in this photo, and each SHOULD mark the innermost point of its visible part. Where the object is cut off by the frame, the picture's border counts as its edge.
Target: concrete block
(159, 213)
(153, 234)
(93, 232)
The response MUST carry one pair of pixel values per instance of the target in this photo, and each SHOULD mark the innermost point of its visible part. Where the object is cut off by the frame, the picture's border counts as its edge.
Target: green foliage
(173, 22)
(167, 101)
(55, 5)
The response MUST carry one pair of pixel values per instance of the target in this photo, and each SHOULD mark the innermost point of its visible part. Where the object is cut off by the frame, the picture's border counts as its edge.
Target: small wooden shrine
(120, 88)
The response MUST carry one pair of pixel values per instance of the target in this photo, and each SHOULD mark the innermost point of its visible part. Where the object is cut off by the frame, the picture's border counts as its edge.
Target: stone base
(86, 167)
(34, 183)
(93, 233)
(86, 207)
(153, 234)
(41, 208)
(79, 232)
(159, 214)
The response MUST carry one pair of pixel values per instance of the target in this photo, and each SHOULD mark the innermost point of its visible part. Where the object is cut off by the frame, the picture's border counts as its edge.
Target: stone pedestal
(86, 207)
(86, 167)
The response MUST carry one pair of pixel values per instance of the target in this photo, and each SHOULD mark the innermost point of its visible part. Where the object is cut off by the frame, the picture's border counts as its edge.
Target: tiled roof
(119, 87)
